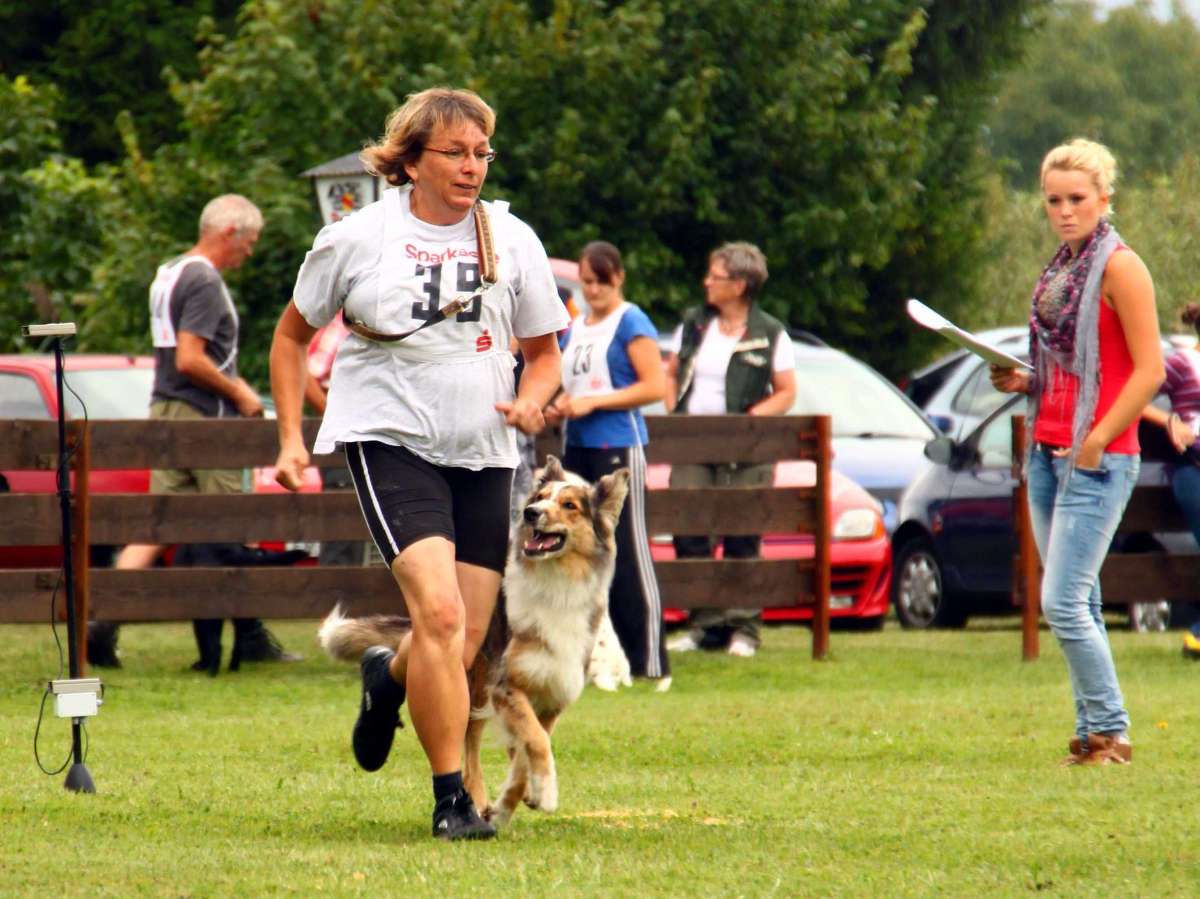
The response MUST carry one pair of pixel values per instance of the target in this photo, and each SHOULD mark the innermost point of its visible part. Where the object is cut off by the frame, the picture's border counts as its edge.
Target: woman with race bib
(433, 283)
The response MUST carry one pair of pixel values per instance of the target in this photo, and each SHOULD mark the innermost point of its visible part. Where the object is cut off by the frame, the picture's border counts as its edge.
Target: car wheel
(918, 590)
(1145, 617)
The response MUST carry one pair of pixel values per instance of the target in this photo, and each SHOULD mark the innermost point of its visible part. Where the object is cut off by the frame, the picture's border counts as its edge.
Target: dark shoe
(208, 642)
(456, 819)
(715, 639)
(102, 644)
(252, 642)
(379, 714)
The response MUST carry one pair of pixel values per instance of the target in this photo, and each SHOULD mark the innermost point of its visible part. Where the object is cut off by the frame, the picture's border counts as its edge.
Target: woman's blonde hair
(1083, 155)
(409, 127)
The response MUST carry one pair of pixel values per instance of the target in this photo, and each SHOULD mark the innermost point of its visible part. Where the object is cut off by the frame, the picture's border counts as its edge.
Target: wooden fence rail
(164, 594)
(1125, 577)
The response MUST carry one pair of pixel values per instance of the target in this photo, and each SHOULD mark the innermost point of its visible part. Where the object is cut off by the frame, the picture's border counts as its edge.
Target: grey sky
(1162, 8)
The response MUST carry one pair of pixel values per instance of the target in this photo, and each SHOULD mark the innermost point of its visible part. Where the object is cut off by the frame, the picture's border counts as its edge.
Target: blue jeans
(1185, 484)
(1074, 530)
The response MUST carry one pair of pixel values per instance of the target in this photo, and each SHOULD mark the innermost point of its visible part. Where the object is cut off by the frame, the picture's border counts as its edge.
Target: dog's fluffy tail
(346, 639)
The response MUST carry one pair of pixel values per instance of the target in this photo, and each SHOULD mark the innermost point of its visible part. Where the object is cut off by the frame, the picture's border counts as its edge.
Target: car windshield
(109, 392)
(860, 400)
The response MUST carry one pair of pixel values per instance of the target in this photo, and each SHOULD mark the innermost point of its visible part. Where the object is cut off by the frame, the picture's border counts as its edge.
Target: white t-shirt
(433, 393)
(707, 396)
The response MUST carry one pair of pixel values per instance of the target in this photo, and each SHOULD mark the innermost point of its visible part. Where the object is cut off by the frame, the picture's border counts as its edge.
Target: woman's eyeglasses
(458, 154)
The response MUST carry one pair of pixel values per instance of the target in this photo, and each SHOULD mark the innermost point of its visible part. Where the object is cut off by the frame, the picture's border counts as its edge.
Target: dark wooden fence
(1125, 577)
(177, 593)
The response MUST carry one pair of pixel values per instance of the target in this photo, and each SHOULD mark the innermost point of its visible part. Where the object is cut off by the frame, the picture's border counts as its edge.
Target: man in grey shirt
(194, 325)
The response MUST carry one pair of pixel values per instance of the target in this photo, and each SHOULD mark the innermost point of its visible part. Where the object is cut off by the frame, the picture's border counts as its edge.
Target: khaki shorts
(191, 480)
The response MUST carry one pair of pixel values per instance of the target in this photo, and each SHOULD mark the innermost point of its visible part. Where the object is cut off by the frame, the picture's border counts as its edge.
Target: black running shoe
(379, 714)
(455, 818)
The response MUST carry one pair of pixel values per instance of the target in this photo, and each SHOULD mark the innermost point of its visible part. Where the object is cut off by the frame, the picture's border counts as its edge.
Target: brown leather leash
(487, 273)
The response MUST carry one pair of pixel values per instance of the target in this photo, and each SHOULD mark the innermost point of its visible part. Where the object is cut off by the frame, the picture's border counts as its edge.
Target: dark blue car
(954, 548)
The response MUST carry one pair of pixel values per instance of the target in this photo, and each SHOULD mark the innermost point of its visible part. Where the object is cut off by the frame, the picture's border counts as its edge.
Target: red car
(110, 387)
(860, 554)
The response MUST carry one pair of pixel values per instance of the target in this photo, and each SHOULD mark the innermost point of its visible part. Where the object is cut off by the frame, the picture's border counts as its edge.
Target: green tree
(839, 137)
(105, 58)
(31, 137)
(958, 63)
(1128, 81)
(1159, 219)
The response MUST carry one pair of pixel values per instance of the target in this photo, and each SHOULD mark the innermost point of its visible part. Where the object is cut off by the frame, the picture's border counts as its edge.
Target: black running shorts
(404, 499)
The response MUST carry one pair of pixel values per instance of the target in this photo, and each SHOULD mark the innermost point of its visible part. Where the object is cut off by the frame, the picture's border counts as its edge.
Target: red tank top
(1057, 412)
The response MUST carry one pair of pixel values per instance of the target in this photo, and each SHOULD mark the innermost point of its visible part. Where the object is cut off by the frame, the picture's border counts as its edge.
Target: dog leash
(487, 272)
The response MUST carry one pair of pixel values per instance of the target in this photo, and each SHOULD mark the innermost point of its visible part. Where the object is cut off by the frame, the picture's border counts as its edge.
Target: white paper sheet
(927, 318)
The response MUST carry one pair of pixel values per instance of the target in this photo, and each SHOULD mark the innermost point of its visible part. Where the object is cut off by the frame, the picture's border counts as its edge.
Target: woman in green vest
(731, 358)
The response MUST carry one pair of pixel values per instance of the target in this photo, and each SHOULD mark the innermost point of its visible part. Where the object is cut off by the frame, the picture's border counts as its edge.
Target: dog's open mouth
(542, 542)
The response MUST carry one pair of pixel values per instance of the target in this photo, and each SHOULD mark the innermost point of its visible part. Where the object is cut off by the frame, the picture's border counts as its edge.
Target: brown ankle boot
(1078, 753)
(1107, 750)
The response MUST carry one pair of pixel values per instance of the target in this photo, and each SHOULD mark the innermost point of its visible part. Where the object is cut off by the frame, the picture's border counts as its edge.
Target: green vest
(748, 378)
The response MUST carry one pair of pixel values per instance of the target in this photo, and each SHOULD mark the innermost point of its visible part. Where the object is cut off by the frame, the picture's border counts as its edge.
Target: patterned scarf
(1064, 327)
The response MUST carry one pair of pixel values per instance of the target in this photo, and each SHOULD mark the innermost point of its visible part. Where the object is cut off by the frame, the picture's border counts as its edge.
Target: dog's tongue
(540, 542)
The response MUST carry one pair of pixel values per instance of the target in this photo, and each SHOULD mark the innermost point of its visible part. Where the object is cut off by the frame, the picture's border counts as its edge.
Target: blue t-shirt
(615, 427)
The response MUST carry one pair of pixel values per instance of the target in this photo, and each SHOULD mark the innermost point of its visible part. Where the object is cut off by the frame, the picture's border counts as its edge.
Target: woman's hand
(575, 406)
(1009, 380)
(1181, 433)
(553, 415)
(1090, 455)
(289, 467)
(523, 414)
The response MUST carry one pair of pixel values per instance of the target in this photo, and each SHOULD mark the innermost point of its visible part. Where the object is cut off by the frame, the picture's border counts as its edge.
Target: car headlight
(858, 524)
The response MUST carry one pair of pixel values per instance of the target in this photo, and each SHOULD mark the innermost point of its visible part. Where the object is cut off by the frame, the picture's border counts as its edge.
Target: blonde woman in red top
(1095, 350)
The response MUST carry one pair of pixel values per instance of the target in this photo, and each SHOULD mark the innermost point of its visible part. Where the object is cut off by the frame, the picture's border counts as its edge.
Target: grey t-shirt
(434, 394)
(197, 302)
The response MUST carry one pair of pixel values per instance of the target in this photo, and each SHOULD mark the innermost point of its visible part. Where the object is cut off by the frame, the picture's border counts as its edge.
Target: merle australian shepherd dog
(533, 663)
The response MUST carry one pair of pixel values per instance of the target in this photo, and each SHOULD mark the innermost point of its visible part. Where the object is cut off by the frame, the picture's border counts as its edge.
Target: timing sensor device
(76, 697)
(54, 329)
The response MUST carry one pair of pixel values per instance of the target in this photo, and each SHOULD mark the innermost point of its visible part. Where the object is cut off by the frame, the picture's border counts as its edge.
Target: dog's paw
(550, 794)
(543, 792)
(533, 791)
(497, 815)
(605, 681)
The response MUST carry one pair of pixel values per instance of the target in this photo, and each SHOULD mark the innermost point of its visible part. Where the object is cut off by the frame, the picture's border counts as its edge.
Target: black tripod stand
(79, 779)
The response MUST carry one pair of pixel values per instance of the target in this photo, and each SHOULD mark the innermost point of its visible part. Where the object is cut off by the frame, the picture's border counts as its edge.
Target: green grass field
(907, 765)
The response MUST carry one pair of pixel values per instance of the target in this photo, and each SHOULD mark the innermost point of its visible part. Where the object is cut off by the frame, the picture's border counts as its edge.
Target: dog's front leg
(543, 775)
(522, 730)
(473, 769)
(512, 790)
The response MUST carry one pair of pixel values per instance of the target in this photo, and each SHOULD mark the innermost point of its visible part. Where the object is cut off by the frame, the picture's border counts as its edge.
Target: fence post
(821, 559)
(1027, 579)
(80, 445)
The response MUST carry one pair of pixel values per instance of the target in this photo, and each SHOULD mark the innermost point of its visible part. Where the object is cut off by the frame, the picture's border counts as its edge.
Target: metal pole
(78, 778)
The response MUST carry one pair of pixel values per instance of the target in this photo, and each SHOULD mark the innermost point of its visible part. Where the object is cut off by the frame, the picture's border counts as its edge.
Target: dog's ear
(608, 496)
(551, 471)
